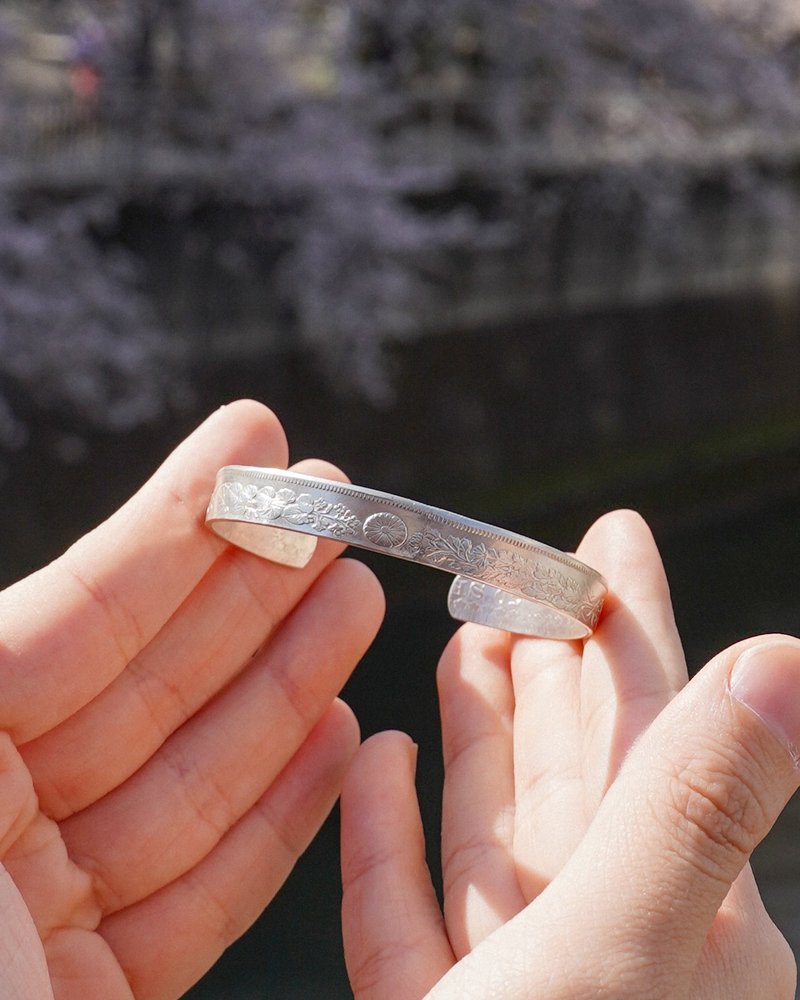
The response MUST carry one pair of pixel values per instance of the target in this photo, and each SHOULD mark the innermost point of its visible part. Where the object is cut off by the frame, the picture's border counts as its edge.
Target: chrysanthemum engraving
(385, 530)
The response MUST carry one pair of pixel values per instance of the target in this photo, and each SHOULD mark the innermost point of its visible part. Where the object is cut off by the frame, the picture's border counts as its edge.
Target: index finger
(72, 627)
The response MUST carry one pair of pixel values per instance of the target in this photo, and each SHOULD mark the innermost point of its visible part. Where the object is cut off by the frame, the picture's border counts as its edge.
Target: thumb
(696, 795)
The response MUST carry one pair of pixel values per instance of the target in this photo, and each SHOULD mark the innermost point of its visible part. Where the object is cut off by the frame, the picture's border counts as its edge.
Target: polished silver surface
(502, 579)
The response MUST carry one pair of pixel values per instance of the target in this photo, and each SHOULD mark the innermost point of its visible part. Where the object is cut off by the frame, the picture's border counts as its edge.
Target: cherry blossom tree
(405, 136)
(77, 334)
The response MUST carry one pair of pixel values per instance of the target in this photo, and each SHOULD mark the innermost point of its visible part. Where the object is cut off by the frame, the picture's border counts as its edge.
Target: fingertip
(341, 727)
(260, 429)
(244, 432)
(390, 745)
(323, 758)
(321, 469)
(247, 407)
(765, 678)
(620, 530)
(621, 546)
(365, 588)
(379, 757)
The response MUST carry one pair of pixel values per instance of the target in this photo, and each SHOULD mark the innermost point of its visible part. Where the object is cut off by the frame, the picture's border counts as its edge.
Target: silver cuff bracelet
(502, 579)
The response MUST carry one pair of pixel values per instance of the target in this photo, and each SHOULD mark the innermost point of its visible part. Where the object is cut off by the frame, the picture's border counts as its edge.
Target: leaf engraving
(503, 568)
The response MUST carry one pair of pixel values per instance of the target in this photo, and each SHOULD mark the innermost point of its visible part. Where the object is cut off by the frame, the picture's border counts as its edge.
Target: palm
(158, 777)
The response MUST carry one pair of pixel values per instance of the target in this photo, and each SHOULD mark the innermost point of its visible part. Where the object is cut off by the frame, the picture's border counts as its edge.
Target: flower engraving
(335, 518)
(237, 500)
(266, 503)
(515, 572)
(385, 530)
(286, 504)
(503, 568)
(550, 585)
(499, 567)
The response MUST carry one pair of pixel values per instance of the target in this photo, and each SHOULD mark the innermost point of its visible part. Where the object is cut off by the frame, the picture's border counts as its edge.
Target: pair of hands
(171, 739)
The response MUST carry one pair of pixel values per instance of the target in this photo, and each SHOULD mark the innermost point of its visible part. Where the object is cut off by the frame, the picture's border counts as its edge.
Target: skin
(598, 816)
(170, 733)
(171, 739)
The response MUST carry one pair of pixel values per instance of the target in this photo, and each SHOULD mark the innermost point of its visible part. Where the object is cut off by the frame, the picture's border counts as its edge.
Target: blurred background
(525, 259)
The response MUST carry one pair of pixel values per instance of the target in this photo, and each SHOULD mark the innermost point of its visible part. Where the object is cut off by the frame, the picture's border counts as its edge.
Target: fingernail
(766, 679)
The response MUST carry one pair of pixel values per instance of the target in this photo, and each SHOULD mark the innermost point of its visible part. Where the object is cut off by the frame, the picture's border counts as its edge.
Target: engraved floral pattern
(549, 584)
(517, 571)
(503, 568)
(284, 503)
(336, 519)
(265, 503)
(385, 530)
(499, 567)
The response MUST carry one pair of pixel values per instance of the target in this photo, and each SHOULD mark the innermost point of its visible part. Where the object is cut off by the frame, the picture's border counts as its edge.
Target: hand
(170, 738)
(598, 814)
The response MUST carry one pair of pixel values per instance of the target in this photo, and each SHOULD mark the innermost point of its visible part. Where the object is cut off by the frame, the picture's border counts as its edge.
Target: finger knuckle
(381, 964)
(719, 814)
(464, 859)
(223, 925)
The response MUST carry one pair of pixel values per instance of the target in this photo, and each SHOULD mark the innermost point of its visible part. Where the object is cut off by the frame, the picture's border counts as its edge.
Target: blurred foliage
(402, 135)
(76, 332)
